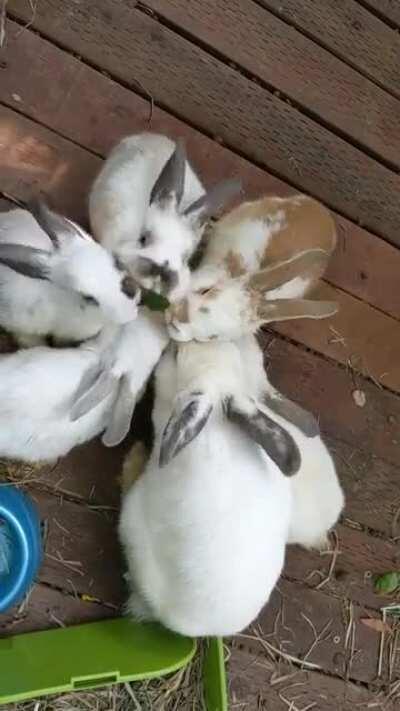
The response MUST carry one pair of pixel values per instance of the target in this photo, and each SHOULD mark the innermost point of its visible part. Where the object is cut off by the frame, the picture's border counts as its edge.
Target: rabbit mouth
(179, 332)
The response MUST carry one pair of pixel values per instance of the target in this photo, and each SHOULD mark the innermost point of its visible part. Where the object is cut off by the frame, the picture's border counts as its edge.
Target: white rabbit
(318, 497)
(56, 280)
(37, 388)
(148, 206)
(204, 527)
(235, 290)
(129, 360)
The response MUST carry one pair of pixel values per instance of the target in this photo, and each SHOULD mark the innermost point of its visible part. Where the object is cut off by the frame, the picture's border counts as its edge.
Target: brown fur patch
(234, 263)
(180, 311)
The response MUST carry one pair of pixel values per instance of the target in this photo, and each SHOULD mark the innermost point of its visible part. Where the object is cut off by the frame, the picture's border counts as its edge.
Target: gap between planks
(350, 181)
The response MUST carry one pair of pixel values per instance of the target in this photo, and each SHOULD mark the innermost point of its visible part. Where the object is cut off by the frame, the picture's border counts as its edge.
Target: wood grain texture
(327, 390)
(250, 687)
(129, 45)
(32, 158)
(387, 9)
(47, 608)
(108, 111)
(349, 30)
(357, 334)
(295, 615)
(82, 551)
(291, 63)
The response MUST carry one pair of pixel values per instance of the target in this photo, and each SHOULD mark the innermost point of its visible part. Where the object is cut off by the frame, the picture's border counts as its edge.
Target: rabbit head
(219, 307)
(171, 233)
(75, 262)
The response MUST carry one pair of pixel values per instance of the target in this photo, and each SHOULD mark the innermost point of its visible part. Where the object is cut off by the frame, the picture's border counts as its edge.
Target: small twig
(381, 645)
(335, 554)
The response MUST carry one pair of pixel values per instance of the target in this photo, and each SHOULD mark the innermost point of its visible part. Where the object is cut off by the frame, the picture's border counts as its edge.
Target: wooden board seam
(278, 93)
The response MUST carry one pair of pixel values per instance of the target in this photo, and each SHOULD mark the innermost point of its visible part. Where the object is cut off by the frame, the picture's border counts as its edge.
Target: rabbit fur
(55, 280)
(148, 206)
(204, 535)
(236, 289)
(37, 389)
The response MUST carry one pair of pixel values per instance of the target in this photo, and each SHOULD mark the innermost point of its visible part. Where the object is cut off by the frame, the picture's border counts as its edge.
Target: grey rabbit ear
(190, 415)
(85, 400)
(121, 416)
(213, 200)
(29, 261)
(278, 444)
(305, 421)
(51, 222)
(170, 182)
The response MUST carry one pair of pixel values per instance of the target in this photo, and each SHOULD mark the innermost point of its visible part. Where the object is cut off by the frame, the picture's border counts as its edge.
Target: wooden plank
(129, 44)
(122, 111)
(353, 105)
(386, 9)
(312, 626)
(250, 687)
(33, 159)
(82, 552)
(358, 333)
(47, 608)
(359, 557)
(327, 391)
(350, 31)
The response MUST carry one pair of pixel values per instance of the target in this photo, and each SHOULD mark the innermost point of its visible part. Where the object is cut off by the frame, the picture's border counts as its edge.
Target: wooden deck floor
(289, 95)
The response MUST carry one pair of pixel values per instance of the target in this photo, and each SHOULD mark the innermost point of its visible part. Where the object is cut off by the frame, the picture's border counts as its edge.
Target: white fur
(78, 268)
(36, 387)
(205, 536)
(318, 497)
(249, 239)
(120, 212)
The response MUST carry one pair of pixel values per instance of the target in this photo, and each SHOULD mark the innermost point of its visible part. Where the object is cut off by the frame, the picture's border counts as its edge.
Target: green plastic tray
(101, 653)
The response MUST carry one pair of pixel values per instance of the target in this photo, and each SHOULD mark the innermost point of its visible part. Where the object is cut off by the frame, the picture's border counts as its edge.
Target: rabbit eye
(129, 287)
(205, 291)
(90, 300)
(145, 239)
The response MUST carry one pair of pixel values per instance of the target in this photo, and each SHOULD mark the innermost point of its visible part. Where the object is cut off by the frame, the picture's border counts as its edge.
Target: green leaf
(388, 583)
(154, 301)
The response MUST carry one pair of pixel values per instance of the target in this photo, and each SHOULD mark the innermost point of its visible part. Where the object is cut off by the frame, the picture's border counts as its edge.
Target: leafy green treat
(388, 583)
(154, 301)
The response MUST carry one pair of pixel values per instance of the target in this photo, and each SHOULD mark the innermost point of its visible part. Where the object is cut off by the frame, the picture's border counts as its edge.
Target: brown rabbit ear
(308, 266)
(287, 309)
(170, 182)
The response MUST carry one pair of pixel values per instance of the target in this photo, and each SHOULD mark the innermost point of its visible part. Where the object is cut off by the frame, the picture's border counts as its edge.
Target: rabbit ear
(213, 201)
(171, 180)
(188, 418)
(121, 416)
(84, 401)
(287, 309)
(52, 223)
(31, 262)
(308, 266)
(292, 412)
(278, 444)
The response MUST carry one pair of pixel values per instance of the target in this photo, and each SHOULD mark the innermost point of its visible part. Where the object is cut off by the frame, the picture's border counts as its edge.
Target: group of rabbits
(236, 470)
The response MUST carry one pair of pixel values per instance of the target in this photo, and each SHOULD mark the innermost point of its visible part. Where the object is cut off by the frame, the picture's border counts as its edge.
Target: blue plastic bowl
(20, 545)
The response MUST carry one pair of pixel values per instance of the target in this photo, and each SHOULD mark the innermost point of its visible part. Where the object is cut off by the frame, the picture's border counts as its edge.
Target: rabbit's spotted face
(164, 247)
(223, 310)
